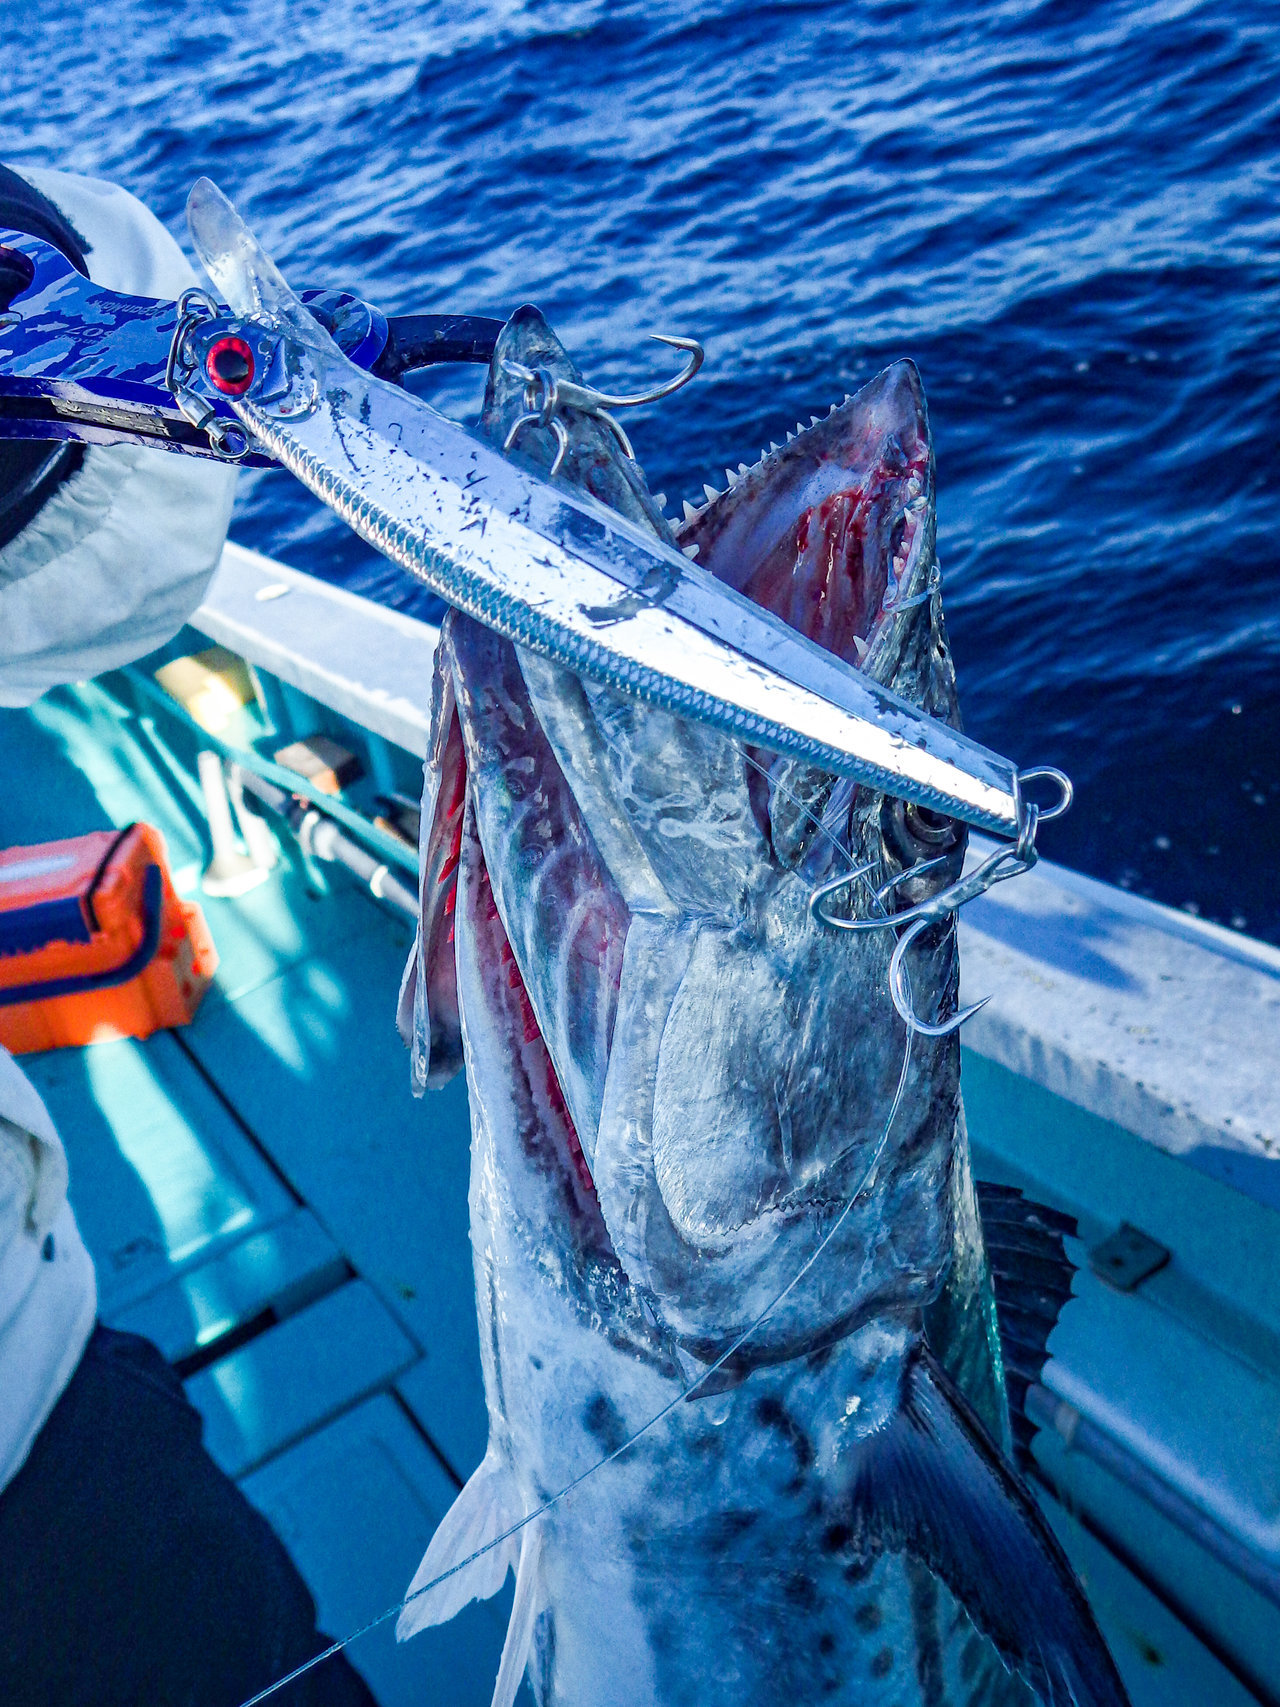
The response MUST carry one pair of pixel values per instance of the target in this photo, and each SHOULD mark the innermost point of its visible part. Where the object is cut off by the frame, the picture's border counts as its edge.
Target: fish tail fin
(486, 1507)
(1031, 1275)
(934, 1485)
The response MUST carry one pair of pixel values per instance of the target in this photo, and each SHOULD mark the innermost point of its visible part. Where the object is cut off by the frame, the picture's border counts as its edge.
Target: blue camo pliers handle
(78, 361)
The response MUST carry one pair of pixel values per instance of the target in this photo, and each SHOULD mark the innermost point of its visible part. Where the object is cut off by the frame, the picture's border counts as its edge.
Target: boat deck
(266, 1201)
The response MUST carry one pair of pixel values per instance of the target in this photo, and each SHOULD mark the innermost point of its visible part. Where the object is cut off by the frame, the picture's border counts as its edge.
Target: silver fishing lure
(562, 574)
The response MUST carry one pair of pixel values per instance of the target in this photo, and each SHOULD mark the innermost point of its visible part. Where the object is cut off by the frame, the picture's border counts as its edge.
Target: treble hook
(545, 394)
(1009, 860)
(900, 991)
(1005, 862)
(899, 981)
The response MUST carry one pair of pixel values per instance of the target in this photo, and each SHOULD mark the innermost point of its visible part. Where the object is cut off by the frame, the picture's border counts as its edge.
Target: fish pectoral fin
(487, 1507)
(933, 1484)
(524, 1611)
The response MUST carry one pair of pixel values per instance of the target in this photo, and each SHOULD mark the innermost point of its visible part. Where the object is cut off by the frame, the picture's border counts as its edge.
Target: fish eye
(935, 828)
(918, 830)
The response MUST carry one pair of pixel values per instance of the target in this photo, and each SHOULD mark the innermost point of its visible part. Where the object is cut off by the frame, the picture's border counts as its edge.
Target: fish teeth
(660, 499)
(860, 647)
(799, 428)
(711, 492)
(690, 513)
(773, 447)
(689, 550)
(790, 436)
(915, 505)
(815, 420)
(743, 469)
(732, 478)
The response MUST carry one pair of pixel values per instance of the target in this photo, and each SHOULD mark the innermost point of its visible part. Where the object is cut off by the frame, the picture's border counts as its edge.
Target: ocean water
(1068, 214)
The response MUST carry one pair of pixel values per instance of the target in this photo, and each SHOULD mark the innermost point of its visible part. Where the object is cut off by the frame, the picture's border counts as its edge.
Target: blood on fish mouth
(833, 566)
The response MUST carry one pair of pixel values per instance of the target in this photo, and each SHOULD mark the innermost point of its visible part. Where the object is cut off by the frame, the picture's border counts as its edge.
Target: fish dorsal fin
(524, 1612)
(489, 1504)
(1031, 1275)
(933, 1484)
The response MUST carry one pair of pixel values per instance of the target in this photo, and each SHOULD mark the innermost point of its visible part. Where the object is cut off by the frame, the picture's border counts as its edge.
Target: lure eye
(229, 366)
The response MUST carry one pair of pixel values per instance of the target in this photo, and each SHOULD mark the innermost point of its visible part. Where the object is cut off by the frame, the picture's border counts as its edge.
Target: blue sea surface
(1068, 214)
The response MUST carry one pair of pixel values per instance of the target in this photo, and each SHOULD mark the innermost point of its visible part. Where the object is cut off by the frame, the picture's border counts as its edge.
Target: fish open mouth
(827, 530)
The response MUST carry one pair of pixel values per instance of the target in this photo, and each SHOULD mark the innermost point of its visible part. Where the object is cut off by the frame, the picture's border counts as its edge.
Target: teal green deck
(264, 1198)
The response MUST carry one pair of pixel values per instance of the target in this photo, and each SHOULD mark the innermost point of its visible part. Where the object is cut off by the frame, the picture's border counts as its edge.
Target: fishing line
(820, 824)
(600, 1464)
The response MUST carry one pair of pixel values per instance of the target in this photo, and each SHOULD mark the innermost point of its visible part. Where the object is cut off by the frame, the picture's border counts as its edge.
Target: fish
(715, 1180)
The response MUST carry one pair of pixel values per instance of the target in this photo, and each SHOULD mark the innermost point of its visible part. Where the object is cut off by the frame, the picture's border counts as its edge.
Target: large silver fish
(681, 1084)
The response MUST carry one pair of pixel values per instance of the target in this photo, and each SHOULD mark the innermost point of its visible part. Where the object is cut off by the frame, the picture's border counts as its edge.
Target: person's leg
(133, 1571)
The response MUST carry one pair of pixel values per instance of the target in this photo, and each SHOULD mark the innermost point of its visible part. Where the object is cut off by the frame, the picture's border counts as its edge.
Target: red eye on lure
(229, 366)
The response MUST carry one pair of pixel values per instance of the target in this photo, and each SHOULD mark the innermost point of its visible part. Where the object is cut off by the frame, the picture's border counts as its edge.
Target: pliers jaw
(80, 362)
(216, 357)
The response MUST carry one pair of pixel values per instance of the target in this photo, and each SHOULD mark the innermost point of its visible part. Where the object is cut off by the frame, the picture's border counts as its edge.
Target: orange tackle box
(94, 942)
